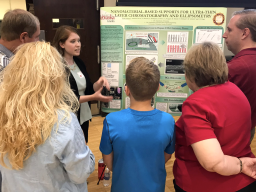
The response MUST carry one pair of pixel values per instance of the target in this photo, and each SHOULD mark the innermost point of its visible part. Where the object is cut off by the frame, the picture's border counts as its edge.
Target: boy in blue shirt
(138, 141)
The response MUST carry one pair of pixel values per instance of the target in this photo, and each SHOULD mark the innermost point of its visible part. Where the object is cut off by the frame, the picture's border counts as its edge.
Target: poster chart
(111, 72)
(212, 35)
(177, 42)
(163, 35)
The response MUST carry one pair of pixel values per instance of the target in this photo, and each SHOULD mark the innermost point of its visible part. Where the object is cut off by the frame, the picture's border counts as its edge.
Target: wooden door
(47, 10)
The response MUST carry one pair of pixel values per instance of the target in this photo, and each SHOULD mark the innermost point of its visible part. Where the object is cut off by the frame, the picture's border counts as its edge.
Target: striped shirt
(5, 55)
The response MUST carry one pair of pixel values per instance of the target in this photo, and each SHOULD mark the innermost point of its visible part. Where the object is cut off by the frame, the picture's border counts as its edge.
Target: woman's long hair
(33, 90)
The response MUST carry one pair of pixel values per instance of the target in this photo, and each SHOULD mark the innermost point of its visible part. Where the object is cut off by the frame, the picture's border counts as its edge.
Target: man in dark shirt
(18, 26)
(240, 38)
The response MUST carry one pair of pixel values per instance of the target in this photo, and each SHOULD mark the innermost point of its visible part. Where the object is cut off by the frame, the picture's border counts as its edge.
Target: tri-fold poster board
(162, 35)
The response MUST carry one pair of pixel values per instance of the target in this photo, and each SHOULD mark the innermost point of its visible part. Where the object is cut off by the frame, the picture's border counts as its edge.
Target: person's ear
(23, 37)
(61, 45)
(158, 87)
(246, 33)
(127, 91)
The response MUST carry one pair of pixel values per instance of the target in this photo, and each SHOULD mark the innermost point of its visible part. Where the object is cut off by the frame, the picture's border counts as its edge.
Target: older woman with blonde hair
(41, 142)
(213, 151)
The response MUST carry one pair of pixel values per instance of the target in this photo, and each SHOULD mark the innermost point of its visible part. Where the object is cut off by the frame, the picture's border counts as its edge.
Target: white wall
(6, 5)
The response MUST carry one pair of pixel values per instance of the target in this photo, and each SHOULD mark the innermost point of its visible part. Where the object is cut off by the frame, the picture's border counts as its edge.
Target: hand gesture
(99, 97)
(103, 82)
(249, 166)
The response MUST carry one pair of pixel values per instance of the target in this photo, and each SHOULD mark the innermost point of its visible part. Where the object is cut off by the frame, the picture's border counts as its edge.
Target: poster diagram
(116, 93)
(173, 88)
(211, 35)
(177, 42)
(153, 58)
(141, 41)
(174, 107)
(111, 72)
(174, 66)
(170, 105)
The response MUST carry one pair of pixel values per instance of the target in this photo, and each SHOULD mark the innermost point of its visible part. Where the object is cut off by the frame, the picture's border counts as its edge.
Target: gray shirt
(5, 55)
(62, 164)
(85, 111)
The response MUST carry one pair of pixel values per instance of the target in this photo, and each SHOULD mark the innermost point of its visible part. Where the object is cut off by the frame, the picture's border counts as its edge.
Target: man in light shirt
(18, 26)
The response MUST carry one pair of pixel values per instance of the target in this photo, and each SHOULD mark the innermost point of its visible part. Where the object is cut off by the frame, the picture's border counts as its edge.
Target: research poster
(161, 34)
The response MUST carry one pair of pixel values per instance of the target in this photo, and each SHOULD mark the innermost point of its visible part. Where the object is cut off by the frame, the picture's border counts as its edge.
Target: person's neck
(10, 45)
(141, 105)
(197, 88)
(247, 45)
(69, 59)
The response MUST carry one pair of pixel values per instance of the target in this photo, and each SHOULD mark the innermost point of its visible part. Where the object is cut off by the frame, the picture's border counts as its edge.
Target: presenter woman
(67, 42)
(213, 151)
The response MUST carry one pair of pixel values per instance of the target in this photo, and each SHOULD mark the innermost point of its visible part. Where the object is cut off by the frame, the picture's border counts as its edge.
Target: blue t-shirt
(138, 140)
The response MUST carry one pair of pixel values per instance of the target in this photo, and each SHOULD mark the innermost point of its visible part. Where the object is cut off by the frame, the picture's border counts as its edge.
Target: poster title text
(164, 13)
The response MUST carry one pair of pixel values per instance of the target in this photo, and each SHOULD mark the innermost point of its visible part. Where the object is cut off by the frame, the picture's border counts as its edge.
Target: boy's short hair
(142, 78)
(16, 22)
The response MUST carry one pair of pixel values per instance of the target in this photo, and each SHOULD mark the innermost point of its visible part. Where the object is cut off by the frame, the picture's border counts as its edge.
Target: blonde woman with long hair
(41, 142)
